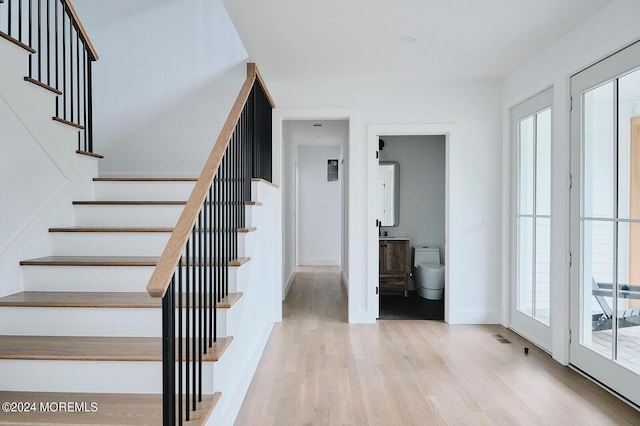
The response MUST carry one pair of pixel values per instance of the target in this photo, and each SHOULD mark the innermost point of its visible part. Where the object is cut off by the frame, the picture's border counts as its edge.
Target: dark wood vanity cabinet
(394, 266)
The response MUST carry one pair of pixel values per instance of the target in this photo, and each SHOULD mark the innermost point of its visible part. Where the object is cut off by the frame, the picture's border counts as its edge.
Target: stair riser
(86, 278)
(108, 243)
(97, 278)
(123, 216)
(89, 376)
(116, 243)
(146, 191)
(15, 61)
(115, 322)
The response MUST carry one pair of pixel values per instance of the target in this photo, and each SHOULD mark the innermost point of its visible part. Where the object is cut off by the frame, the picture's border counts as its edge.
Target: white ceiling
(295, 40)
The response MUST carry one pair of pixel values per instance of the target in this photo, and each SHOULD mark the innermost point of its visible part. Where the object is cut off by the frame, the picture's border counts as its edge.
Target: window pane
(597, 272)
(526, 169)
(598, 152)
(543, 162)
(629, 146)
(543, 269)
(628, 295)
(525, 266)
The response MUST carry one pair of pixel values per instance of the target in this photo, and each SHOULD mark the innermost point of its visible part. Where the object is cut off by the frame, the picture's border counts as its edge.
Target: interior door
(530, 305)
(605, 281)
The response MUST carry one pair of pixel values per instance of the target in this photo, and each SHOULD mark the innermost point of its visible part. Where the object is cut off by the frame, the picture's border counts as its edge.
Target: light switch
(487, 219)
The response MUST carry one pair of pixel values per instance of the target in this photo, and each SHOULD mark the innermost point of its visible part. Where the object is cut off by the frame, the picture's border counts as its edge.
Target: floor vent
(501, 339)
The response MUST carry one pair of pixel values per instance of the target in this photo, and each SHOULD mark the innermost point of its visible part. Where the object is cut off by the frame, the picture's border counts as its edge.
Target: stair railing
(61, 57)
(192, 275)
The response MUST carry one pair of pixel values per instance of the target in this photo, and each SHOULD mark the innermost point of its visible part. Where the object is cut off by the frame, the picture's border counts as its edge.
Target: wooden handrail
(83, 32)
(161, 277)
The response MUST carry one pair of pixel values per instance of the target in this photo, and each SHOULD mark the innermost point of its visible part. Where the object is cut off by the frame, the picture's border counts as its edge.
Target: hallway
(319, 370)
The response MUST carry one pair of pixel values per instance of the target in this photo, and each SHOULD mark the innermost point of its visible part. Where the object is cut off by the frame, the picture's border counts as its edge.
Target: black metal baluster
(187, 333)
(212, 305)
(57, 55)
(71, 97)
(201, 310)
(89, 106)
(64, 63)
(78, 79)
(84, 73)
(30, 29)
(180, 354)
(9, 23)
(168, 358)
(39, 49)
(48, 64)
(193, 319)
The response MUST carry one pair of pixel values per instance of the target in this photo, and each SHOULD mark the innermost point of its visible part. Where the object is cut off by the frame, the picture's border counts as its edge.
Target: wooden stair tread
(17, 42)
(264, 181)
(95, 300)
(129, 203)
(112, 409)
(115, 229)
(90, 154)
(89, 348)
(144, 179)
(109, 261)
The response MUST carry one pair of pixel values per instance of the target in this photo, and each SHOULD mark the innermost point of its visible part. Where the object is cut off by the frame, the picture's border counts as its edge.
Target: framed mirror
(388, 193)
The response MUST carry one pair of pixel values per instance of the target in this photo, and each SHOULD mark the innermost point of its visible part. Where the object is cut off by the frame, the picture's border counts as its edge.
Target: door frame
(595, 365)
(533, 330)
(374, 132)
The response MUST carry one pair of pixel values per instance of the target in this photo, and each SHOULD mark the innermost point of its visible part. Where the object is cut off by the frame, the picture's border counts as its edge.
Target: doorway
(411, 206)
(605, 286)
(530, 302)
(315, 195)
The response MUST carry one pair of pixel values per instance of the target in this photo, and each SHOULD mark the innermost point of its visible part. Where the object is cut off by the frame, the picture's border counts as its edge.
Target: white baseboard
(319, 262)
(288, 285)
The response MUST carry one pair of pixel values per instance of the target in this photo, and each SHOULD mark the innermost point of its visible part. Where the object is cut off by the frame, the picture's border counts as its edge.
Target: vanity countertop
(394, 238)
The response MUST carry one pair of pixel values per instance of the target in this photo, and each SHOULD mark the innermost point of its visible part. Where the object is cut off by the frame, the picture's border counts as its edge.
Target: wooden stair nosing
(264, 181)
(89, 154)
(89, 348)
(50, 299)
(17, 42)
(129, 203)
(68, 123)
(143, 179)
(133, 230)
(42, 85)
(112, 261)
(112, 408)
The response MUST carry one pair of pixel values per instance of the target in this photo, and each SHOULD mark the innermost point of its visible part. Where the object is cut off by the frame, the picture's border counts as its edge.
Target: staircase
(84, 331)
(81, 342)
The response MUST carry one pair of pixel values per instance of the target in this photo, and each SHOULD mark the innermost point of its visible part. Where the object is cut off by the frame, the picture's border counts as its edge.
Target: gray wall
(422, 188)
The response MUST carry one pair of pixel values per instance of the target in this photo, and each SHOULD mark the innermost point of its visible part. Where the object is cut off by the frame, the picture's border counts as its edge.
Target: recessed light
(407, 40)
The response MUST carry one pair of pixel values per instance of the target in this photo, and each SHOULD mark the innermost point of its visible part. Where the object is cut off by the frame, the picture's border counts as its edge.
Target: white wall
(599, 36)
(475, 158)
(422, 189)
(168, 74)
(319, 207)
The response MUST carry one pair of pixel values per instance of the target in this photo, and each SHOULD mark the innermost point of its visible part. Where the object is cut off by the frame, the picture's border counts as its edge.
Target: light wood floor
(319, 370)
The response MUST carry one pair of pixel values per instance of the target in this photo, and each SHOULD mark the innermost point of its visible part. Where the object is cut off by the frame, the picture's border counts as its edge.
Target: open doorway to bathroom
(411, 197)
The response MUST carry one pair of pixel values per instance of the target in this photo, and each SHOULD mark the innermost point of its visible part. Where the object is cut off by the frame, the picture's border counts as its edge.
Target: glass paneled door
(530, 313)
(605, 278)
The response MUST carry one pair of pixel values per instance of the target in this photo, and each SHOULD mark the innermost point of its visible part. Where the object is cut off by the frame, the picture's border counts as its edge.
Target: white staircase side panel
(90, 376)
(143, 191)
(128, 215)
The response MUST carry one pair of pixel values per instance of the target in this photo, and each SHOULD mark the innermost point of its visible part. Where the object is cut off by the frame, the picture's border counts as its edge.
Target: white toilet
(428, 273)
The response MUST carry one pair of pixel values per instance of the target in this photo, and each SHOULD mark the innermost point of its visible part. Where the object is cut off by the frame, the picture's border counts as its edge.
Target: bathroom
(420, 219)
